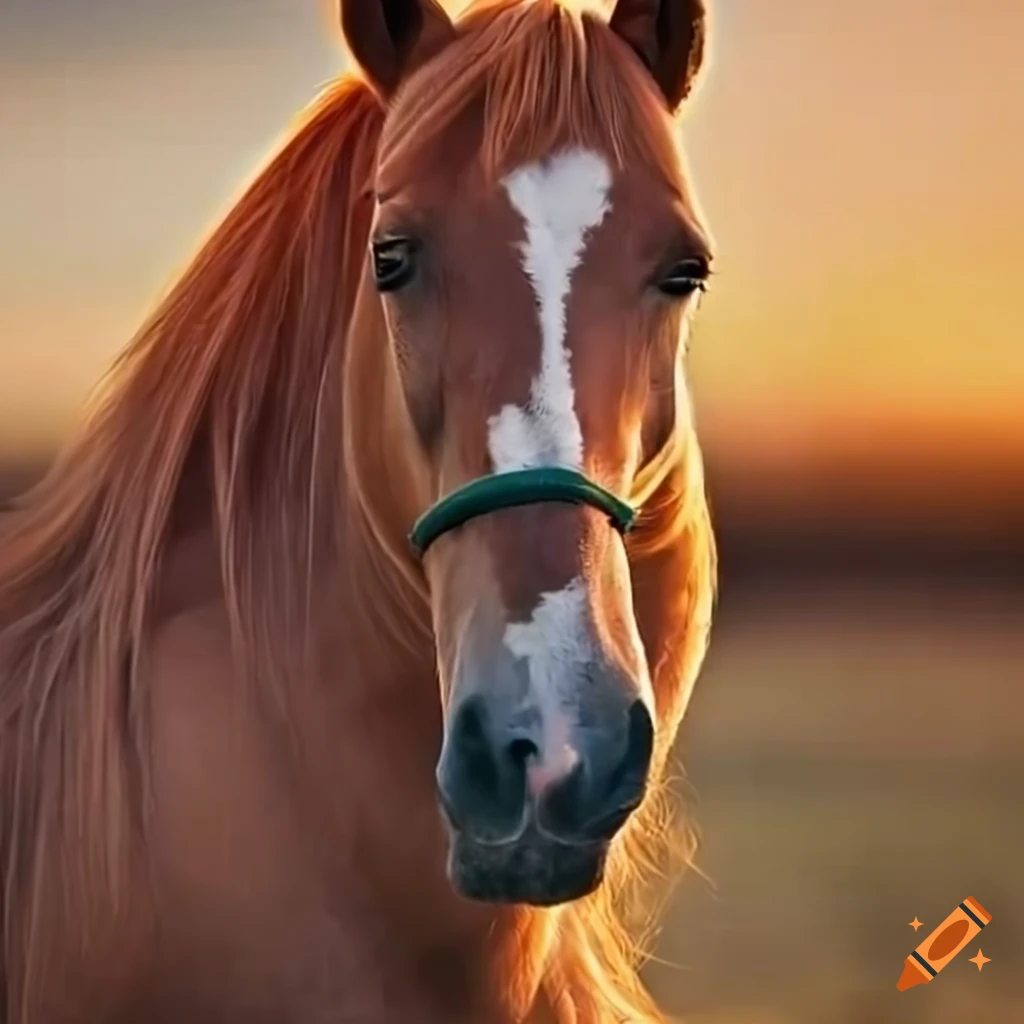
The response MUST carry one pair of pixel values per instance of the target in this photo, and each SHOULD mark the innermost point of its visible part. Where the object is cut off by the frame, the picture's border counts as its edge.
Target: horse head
(534, 259)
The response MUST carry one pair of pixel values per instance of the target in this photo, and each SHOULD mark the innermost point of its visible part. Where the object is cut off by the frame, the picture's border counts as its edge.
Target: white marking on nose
(555, 638)
(556, 646)
(560, 201)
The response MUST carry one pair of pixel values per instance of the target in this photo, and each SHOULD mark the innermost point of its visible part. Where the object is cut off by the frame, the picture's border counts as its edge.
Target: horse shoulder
(233, 873)
(209, 756)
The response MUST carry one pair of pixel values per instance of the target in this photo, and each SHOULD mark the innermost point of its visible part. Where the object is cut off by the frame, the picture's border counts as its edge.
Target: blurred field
(855, 758)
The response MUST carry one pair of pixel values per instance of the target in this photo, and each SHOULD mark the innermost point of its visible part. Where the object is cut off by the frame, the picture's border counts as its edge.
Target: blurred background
(855, 748)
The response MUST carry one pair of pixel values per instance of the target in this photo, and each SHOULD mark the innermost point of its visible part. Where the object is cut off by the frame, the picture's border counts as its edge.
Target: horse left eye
(685, 278)
(394, 263)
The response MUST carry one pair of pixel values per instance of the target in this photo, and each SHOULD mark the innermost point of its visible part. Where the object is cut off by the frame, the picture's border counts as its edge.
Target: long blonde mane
(236, 380)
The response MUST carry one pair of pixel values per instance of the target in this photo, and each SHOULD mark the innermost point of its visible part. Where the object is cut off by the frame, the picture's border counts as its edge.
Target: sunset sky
(860, 165)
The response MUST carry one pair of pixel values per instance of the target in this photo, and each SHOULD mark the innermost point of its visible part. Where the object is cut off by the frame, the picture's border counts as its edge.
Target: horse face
(536, 317)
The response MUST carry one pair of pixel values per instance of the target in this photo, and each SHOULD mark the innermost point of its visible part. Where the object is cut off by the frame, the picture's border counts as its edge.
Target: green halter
(519, 487)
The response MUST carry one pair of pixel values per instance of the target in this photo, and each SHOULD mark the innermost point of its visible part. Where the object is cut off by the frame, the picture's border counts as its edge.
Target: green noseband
(519, 487)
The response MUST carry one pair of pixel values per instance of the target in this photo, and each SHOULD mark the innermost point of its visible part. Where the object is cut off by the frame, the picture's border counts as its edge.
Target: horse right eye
(685, 278)
(394, 263)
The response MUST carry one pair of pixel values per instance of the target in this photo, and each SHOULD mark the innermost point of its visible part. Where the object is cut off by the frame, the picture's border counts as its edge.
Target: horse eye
(685, 278)
(394, 263)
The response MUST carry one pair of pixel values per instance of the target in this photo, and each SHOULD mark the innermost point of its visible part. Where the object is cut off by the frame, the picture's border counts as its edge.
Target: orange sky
(860, 166)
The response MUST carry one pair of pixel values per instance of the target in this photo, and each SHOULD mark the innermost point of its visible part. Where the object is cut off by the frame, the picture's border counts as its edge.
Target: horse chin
(531, 870)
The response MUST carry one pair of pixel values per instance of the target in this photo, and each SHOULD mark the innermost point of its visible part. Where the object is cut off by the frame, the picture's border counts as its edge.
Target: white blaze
(560, 201)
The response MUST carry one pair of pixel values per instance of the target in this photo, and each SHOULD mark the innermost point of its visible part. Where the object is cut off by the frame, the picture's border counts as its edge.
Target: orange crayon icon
(943, 944)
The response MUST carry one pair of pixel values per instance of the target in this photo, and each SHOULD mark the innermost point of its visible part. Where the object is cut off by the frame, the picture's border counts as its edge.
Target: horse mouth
(534, 869)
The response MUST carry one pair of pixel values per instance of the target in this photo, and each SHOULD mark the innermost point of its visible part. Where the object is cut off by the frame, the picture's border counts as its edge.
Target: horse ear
(669, 36)
(391, 38)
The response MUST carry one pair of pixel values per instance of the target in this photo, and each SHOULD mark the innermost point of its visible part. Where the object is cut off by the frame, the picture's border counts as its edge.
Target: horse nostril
(631, 773)
(482, 771)
(624, 788)
(480, 743)
(471, 740)
(520, 750)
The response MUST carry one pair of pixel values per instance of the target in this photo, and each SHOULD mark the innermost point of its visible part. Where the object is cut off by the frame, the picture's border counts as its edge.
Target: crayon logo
(944, 943)
(948, 940)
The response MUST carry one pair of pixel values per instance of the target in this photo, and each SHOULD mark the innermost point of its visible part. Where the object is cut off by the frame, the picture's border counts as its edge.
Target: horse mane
(238, 376)
(238, 368)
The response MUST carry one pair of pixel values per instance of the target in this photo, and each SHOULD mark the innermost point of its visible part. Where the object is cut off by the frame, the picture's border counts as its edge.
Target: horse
(343, 648)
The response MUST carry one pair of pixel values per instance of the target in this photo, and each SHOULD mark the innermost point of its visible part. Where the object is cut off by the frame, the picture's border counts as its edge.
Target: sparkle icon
(981, 960)
(915, 924)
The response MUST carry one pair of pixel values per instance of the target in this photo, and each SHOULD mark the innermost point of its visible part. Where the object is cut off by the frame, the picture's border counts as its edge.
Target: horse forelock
(543, 74)
(241, 368)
